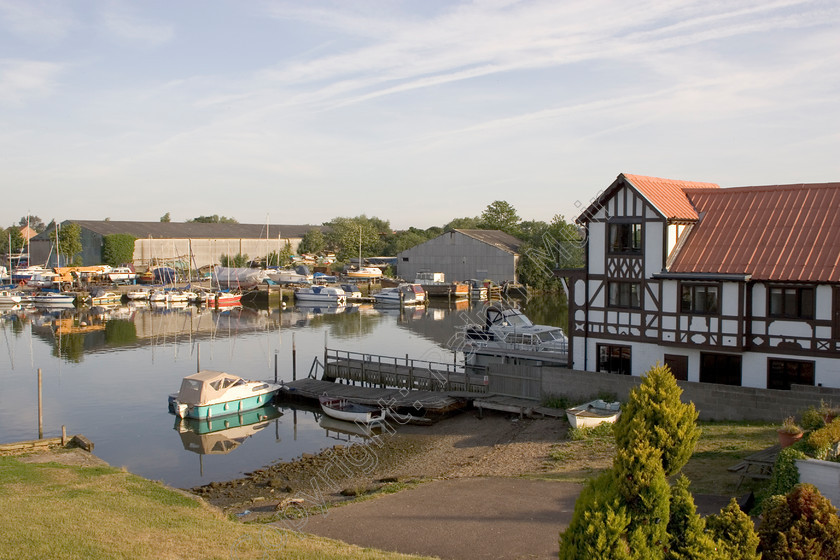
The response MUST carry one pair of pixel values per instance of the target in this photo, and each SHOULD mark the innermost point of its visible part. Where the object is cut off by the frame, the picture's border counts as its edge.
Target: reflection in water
(220, 436)
(347, 431)
(91, 356)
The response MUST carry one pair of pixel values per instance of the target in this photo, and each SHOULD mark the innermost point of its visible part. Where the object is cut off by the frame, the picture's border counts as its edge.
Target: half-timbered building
(738, 286)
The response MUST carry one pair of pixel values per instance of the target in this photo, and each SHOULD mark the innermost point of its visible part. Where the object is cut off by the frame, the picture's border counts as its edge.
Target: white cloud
(123, 24)
(36, 20)
(22, 79)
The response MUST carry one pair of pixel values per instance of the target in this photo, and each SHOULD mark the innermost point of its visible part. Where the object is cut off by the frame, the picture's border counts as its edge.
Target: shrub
(599, 524)
(785, 474)
(734, 533)
(823, 440)
(686, 528)
(803, 524)
(812, 419)
(655, 412)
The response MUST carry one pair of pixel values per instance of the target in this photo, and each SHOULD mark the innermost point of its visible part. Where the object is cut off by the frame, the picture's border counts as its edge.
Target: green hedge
(118, 249)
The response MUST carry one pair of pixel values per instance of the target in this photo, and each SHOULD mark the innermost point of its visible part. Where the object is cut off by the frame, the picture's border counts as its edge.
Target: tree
(500, 215)
(69, 242)
(313, 242)
(118, 249)
(214, 219)
(800, 525)
(237, 261)
(344, 235)
(462, 223)
(17, 240)
(547, 247)
(165, 218)
(655, 412)
(33, 222)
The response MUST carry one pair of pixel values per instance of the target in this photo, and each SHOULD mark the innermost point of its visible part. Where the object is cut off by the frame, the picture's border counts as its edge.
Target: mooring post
(198, 357)
(294, 359)
(63, 435)
(40, 409)
(275, 366)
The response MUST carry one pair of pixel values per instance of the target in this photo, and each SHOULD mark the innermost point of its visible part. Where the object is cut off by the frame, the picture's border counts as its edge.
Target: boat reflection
(219, 436)
(347, 431)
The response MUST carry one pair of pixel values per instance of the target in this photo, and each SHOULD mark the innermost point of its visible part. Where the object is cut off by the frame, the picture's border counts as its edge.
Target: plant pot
(786, 439)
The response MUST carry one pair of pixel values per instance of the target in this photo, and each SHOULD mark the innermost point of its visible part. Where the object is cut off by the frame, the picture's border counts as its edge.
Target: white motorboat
(122, 275)
(508, 334)
(351, 292)
(593, 413)
(210, 394)
(103, 298)
(404, 294)
(342, 409)
(53, 298)
(323, 294)
(287, 276)
(138, 295)
(9, 298)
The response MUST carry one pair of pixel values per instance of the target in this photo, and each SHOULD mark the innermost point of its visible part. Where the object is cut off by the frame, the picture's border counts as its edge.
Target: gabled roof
(194, 230)
(667, 196)
(495, 237)
(773, 233)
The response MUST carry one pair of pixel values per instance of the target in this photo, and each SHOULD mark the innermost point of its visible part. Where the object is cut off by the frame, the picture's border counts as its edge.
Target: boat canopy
(205, 386)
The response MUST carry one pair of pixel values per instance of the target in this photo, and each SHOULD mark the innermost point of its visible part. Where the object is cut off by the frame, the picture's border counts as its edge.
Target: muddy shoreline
(460, 446)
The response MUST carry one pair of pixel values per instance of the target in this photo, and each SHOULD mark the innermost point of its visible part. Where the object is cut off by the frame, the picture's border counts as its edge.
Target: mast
(360, 247)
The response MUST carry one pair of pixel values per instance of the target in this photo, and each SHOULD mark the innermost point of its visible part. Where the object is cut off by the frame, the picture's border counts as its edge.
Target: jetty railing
(403, 372)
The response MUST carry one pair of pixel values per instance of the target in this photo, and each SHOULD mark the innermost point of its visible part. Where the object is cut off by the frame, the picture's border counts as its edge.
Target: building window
(781, 374)
(700, 298)
(625, 238)
(405, 259)
(624, 294)
(795, 303)
(724, 369)
(614, 359)
(678, 366)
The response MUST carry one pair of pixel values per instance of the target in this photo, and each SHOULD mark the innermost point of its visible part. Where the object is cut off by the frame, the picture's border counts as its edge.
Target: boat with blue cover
(210, 394)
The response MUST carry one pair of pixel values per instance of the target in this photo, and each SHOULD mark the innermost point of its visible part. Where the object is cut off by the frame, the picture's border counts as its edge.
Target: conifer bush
(599, 524)
(689, 540)
(733, 533)
(654, 411)
(800, 525)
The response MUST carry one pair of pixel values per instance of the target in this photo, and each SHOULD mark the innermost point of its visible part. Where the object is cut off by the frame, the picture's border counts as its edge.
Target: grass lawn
(52, 510)
(721, 445)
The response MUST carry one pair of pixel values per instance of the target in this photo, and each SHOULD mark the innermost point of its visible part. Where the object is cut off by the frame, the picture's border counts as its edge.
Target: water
(107, 375)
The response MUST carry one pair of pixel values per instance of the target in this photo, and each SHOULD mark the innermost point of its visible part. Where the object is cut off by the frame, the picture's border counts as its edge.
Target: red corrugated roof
(668, 195)
(779, 232)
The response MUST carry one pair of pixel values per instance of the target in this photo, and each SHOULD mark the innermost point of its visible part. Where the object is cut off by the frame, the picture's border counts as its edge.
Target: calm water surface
(107, 374)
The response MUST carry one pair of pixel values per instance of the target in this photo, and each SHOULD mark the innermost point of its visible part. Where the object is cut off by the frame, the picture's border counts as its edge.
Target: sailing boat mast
(360, 247)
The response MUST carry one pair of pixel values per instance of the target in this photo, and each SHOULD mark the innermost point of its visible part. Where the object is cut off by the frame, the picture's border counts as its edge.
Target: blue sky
(416, 112)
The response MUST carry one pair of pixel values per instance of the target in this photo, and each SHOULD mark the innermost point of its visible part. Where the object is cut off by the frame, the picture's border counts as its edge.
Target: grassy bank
(53, 510)
(721, 445)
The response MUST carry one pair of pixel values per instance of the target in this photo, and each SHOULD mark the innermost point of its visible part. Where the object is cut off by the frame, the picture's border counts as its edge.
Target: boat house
(194, 243)
(464, 254)
(736, 286)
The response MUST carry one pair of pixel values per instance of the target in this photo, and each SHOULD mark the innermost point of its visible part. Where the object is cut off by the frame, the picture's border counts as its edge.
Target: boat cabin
(206, 386)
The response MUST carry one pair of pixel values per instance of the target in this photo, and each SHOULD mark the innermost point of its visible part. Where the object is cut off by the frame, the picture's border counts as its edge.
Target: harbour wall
(713, 401)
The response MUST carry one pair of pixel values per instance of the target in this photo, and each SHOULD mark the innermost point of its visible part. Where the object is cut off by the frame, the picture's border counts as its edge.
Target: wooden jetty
(416, 403)
(402, 373)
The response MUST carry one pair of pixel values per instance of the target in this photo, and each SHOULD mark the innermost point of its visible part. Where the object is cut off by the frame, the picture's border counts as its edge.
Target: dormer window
(625, 238)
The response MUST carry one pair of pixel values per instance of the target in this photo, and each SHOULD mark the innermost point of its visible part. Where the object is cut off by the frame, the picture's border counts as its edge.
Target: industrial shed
(199, 244)
(463, 254)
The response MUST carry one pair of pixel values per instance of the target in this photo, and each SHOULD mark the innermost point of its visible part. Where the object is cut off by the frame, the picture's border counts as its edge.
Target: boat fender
(21, 284)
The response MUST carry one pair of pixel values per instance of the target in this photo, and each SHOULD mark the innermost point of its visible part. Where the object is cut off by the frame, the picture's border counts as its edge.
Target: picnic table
(757, 466)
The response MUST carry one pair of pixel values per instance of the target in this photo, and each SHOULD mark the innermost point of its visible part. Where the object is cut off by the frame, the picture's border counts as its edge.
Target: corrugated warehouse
(464, 254)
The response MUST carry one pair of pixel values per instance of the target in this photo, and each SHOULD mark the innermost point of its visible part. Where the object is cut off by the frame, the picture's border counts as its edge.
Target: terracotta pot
(787, 439)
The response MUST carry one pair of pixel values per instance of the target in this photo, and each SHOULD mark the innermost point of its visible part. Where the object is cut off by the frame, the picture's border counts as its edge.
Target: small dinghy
(342, 409)
(592, 413)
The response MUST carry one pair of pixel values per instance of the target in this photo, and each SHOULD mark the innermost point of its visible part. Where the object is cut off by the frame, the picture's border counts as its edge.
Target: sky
(416, 112)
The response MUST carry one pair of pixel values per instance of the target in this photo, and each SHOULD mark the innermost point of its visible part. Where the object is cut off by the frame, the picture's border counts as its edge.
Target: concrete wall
(714, 402)
(460, 257)
(825, 475)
